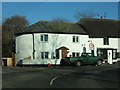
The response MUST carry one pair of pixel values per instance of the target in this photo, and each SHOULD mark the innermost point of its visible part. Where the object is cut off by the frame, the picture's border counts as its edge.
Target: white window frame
(44, 55)
(43, 38)
(76, 54)
(75, 39)
(106, 41)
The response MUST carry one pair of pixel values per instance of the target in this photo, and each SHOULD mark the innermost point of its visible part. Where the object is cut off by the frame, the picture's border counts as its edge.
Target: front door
(64, 52)
(109, 54)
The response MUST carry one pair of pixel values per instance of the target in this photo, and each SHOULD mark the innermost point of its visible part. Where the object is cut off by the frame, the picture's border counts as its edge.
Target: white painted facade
(24, 46)
(113, 44)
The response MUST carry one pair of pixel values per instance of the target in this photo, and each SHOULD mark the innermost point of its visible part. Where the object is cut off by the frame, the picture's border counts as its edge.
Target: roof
(53, 27)
(63, 47)
(99, 28)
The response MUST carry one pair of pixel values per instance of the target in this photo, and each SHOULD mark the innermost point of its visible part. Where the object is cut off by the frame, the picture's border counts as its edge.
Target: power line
(17, 10)
(25, 9)
(28, 9)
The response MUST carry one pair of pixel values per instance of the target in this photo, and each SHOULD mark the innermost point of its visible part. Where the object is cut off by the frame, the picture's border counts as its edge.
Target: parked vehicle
(85, 58)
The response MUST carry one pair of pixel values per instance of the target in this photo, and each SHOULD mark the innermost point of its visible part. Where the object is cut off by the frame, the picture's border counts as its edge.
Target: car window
(88, 54)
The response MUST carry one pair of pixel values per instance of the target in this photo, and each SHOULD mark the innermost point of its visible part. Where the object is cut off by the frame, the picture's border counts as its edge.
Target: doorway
(64, 52)
(108, 53)
(4, 62)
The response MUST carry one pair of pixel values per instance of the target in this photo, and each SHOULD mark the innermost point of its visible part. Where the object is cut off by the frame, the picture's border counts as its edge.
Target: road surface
(105, 76)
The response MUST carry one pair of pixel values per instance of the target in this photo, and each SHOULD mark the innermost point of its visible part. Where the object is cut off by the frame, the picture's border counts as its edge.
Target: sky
(36, 11)
(60, 0)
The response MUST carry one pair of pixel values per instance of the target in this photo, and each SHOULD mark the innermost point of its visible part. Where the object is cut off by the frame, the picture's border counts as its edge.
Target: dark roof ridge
(96, 19)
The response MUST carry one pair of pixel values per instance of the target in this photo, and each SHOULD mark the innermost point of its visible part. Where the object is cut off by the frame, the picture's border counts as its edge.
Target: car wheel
(78, 63)
(99, 62)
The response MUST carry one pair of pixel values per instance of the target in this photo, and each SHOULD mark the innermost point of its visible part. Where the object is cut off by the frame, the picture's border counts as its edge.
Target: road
(105, 76)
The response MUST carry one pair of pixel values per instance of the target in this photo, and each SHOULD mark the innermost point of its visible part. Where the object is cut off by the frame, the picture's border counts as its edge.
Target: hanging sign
(91, 46)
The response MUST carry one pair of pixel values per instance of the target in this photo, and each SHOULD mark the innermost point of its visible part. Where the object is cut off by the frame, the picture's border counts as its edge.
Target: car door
(91, 59)
(84, 59)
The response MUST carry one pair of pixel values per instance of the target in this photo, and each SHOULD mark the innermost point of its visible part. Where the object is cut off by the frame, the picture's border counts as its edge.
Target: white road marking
(51, 82)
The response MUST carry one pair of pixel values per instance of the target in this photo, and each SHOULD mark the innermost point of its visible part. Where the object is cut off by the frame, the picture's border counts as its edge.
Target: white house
(44, 43)
(104, 34)
(49, 42)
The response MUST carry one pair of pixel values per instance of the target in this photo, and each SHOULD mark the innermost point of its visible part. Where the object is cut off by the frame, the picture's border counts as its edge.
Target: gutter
(33, 47)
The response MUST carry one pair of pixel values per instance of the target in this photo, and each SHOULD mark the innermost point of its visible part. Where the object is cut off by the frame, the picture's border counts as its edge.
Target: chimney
(101, 17)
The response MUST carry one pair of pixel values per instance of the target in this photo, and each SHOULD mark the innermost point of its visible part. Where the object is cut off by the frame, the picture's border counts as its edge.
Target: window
(75, 54)
(41, 37)
(114, 54)
(102, 52)
(44, 38)
(52, 55)
(106, 41)
(57, 54)
(118, 54)
(44, 55)
(99, 52)
(75, 39)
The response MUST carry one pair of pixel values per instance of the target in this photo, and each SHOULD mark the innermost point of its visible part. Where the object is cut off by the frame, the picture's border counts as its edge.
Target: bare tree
(58, 25)
(56, 41)
(10, 26)
(15, 23)
(59, 20)
(85, 14)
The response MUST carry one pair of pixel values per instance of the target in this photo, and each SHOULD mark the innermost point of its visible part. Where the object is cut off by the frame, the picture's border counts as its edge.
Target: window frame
(106, 41)
(75, 54)
(44, 38)
(114, 52)
(44, 55)
(75, 39)
(118, 54)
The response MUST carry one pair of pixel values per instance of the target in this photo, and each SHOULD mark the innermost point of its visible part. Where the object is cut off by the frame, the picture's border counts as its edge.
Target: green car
(85, 58)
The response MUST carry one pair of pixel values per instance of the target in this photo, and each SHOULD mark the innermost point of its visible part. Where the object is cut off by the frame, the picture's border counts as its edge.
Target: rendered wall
(24, 46)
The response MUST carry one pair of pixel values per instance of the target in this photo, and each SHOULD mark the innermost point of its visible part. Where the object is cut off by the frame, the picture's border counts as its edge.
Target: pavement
(8, 70)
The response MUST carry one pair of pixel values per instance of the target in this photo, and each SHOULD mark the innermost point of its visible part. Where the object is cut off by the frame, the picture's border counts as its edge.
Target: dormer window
(105, 41)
